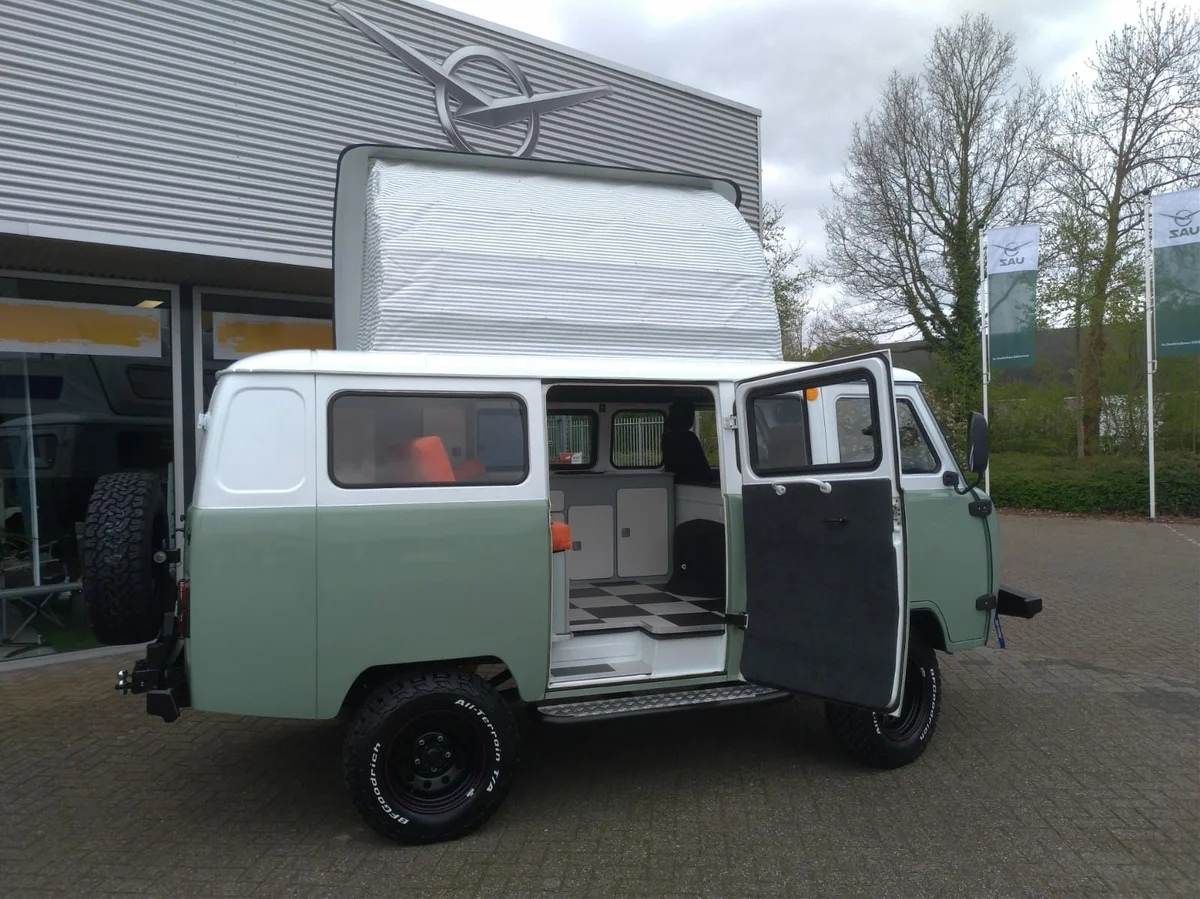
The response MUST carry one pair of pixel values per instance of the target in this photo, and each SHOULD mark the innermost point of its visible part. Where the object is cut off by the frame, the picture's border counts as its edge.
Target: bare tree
(947, 152)
(791, 279)
(1134, 128)
(845, 327)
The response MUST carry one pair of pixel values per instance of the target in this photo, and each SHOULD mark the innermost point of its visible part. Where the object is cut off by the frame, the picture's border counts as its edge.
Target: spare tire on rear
(125, 590)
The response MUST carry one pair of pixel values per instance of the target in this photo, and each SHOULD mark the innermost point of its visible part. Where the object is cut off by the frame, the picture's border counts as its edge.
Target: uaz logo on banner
(1012, 263)
(1175, 231)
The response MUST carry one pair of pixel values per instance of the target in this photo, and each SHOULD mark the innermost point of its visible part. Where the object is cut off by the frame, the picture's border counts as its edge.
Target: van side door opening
(634, 473)
(824, 538)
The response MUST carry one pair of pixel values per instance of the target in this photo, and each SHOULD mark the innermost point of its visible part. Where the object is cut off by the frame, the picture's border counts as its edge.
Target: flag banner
(1176, 239)
(1012, 266)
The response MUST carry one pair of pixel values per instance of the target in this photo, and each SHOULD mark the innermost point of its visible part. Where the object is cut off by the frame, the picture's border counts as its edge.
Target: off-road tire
(875, 740)
(126, 592)
(384, 780)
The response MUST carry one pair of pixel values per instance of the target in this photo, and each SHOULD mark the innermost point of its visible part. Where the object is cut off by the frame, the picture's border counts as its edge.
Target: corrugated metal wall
(214, 125)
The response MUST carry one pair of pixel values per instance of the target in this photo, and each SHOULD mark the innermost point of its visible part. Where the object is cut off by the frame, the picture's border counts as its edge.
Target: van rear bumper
(161, 675)
(1016, 603)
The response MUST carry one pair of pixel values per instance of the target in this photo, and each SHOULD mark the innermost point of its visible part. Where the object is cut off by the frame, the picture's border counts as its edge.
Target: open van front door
(826, 595)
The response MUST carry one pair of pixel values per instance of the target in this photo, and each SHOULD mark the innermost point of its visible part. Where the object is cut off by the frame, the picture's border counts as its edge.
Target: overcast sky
(812, 66)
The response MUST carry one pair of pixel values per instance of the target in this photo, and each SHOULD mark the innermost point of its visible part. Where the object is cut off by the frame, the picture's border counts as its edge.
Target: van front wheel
(883, 741)
(430, 756)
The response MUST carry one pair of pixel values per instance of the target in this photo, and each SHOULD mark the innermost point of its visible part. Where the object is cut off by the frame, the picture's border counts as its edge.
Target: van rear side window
(423, 440)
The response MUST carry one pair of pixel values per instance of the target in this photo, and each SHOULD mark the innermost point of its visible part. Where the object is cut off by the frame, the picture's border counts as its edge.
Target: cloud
(813, 67)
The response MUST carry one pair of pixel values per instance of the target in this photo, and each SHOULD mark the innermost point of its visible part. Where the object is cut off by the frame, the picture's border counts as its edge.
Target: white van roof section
(542, 367)
(460, 253)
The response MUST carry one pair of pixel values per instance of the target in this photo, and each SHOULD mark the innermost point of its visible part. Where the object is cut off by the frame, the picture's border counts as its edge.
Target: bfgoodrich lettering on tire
(430, 756)
(125, 590)
(885, 742)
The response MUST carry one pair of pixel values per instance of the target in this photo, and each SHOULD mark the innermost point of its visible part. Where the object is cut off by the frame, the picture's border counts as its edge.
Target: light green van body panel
(948, 563)
(252, 648)
(410, 583)
(289, 606)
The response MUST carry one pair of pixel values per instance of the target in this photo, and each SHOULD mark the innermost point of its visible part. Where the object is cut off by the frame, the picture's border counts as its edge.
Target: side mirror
(977, 444)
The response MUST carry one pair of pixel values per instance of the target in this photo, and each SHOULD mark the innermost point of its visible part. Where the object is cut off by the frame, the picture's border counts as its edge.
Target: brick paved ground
(1066, 765)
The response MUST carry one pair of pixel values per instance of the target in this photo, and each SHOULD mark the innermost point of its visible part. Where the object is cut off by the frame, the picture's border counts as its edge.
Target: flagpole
(985, 325)
(1151, 362)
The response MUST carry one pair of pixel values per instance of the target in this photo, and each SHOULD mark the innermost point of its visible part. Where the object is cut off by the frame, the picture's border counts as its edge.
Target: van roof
(553, 368)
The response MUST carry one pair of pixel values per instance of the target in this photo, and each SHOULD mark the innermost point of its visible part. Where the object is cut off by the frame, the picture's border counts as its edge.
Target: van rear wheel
(430, 756)
(883, 741)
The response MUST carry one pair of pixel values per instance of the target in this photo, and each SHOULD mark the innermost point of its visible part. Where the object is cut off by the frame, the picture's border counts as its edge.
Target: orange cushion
(431, 461)
(560, 536)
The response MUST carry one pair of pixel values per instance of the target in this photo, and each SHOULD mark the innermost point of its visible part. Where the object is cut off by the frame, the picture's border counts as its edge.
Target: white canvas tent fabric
(466, 260)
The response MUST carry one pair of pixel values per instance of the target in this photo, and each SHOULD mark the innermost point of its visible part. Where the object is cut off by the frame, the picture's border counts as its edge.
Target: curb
(80, 655)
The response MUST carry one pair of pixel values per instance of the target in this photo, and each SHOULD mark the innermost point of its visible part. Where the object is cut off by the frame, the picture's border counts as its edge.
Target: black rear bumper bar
(160, 675)
(1017, 603)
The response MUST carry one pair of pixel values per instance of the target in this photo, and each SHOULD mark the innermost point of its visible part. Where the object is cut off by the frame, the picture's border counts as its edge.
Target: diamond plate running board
(653, 703)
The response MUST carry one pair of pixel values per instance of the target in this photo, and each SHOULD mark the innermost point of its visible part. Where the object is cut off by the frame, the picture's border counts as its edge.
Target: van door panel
(818, 567)
(824, 539)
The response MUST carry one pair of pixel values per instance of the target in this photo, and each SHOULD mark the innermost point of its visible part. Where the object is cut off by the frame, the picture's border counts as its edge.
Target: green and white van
(421, 541)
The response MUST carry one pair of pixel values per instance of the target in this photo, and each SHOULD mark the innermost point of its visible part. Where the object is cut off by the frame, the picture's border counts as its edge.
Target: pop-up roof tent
(439, 252)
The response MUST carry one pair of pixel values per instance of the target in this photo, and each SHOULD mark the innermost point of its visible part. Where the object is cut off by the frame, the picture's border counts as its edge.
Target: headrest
(681, 414)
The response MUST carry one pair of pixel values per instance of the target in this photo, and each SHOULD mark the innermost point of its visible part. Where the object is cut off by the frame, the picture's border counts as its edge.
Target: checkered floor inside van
(637, 604)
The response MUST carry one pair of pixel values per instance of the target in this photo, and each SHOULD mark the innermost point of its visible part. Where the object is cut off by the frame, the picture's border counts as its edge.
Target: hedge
(1104, 484)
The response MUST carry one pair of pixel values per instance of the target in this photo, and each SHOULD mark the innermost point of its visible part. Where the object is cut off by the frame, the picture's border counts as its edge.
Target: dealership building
(168, 172)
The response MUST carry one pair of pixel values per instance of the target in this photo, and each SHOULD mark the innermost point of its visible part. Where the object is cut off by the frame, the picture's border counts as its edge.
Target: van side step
(632, 704)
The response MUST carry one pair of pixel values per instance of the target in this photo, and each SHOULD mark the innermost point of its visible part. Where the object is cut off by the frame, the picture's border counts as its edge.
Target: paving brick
(1065, 764)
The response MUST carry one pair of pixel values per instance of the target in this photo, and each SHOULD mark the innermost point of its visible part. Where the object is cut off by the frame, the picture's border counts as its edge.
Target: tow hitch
(125, 681)
(161, 675)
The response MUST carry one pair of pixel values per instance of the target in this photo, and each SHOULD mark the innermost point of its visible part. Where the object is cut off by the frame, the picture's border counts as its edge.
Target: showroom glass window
(86, 382)
(233, 326)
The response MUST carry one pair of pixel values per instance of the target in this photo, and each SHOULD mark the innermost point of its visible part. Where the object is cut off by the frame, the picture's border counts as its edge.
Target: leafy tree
(791, 279)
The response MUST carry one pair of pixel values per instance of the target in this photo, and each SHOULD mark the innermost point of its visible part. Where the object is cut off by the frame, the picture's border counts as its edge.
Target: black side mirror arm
(965, 490)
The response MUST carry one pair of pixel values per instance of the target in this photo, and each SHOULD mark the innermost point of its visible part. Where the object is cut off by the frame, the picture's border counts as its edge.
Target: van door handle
(824, 486)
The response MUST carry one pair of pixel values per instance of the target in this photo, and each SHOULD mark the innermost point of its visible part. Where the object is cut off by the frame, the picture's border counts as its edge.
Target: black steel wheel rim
(912, 710)
(435, 762)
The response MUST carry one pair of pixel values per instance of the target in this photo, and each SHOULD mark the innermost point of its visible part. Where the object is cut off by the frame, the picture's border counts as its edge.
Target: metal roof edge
(138, 242)
(399, 363)
(581, 55)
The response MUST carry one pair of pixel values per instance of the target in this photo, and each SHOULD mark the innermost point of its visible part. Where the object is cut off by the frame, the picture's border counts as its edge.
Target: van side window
(853, 417)
(916, 455)
(421, 440)
(782, 441)
(637, 438)
(571, 439)
(856, 442)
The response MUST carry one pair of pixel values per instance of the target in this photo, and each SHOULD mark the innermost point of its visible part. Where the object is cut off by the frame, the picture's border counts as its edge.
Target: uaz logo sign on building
(475, 105)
